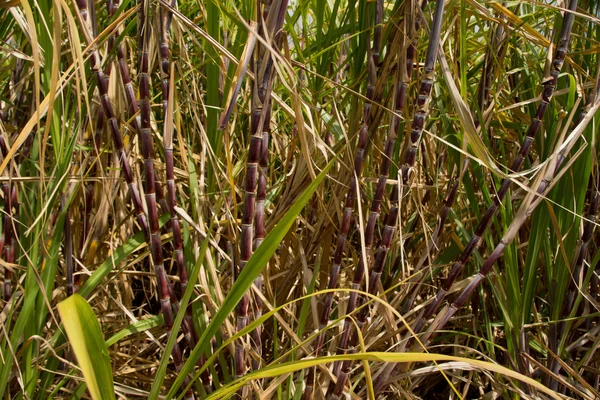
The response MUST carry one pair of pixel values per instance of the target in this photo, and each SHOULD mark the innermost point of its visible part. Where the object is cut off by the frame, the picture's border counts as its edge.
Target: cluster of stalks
(147, 220)
(352, 194)
(493, 57)
(404, 68)
(404, 161)
(270, 15)
(549, 87)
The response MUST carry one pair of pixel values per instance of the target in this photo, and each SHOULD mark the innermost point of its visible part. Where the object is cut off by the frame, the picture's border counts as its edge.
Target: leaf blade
(85, 336)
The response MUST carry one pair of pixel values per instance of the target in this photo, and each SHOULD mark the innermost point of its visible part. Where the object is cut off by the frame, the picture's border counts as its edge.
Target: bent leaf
(294, 366)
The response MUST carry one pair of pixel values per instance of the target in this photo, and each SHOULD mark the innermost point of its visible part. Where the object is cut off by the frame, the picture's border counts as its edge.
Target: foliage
(300, 199)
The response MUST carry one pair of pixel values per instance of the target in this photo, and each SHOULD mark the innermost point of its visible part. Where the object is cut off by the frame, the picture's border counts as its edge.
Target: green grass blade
(85, 336)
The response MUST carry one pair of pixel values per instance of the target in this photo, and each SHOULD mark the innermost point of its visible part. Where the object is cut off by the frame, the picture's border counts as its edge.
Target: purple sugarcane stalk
(271, 17)
(400, 88)
(152, 237)
(549, 86)
(165, 291)
(363, 138)
(112, 123)
(263, 83)
(188, 328)
(409, 161)
(497, 47)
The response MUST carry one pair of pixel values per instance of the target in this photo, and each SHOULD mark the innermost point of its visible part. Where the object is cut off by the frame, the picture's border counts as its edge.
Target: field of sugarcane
(299, 199)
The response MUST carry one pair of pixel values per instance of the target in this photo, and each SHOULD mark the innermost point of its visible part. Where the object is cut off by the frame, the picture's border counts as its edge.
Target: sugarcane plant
(316, 199)
(271, 17)
(352, 194)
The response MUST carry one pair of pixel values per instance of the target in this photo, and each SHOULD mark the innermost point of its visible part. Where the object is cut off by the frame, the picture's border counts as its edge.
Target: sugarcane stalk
(399, 91)
(112, 121)
(373, 55)
(271, 17)
(400, 88)
(363, 138)
(151, 231)
(424, 96)
(391, 221)
(264, 84)
(96, 140)
(9, 234)
(188, 328)
(549, 86)
(132, 104)
(540, 191)
(166, 70)
(165, 291)
(495, 50)
(134, 112)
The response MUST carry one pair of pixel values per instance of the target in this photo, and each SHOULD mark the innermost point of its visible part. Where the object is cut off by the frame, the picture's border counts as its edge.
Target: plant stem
(549, 86)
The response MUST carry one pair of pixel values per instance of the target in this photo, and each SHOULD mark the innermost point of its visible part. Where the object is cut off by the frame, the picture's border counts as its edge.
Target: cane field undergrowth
(299, 199)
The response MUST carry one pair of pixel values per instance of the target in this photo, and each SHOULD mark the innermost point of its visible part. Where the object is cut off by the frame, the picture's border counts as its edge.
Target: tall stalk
(549, 86)
(112, 121)
(399, 96)
(402, 78)
(261, 103)
(134, 110)
(265, 78)
(165, 68)
(151, 231)
(271, 16)
(409, 161)
(94, 141)
(188, 328)
(165, 291)
(349, 203)
(494, 52)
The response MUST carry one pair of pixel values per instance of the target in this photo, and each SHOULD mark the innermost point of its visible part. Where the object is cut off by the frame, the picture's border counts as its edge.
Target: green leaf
(137, 327)
(85, 336)
(255, 265)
